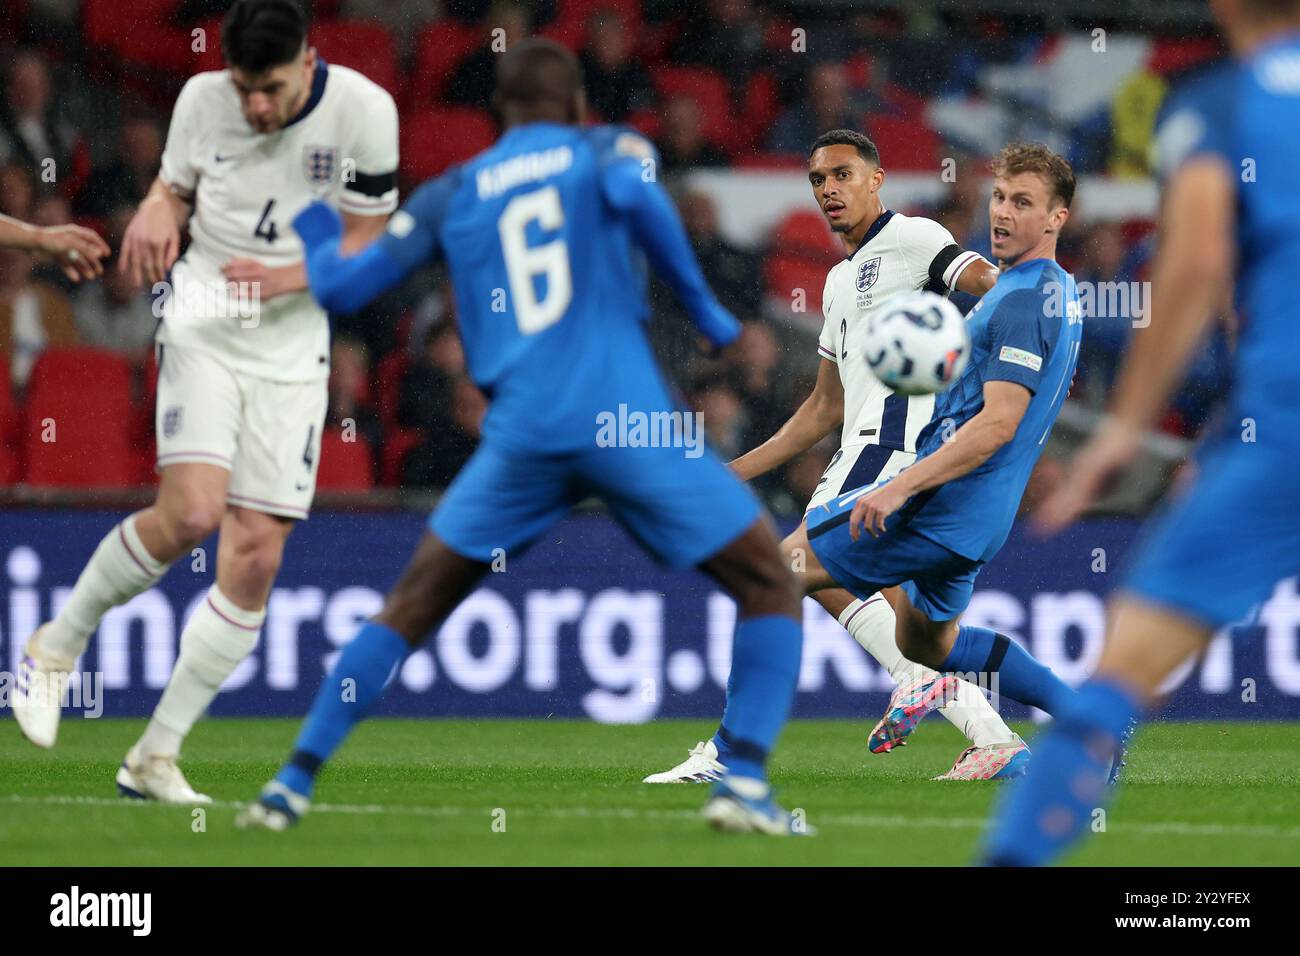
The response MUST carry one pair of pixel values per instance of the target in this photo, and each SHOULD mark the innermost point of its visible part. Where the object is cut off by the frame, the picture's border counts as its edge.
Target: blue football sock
(348, 695)
(1055, 803)
(982, 652)
(764, 671)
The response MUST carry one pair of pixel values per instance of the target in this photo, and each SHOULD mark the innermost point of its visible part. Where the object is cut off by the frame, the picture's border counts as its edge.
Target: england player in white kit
(243, 353)
(886, 254)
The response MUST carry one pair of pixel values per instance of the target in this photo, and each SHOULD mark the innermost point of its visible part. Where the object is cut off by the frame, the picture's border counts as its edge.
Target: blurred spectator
(826, 105)
(475, 79)
(34, 316)
(425, 391)
(17, 191)
(124, 180)
(448, 446)
(681, 139)
(756, 356)
(1107, 328)
(616, 84)
(112, 313)
(723, 32)
(402, 18)
(31, 130)
(723, 413)
(732, 272)
(349, 404)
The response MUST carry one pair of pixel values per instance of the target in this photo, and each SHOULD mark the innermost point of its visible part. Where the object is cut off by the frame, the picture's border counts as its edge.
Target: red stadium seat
(398, 442)
(794, 278)
(139, 32)
(904, 144)
(344, 465)
(365, 47)
(210, 57)
(388, 384)
(10, 469)
(710, 92)
(78, 415)
(440, 137)
(440, 49)
(760, 110)
(804, 234)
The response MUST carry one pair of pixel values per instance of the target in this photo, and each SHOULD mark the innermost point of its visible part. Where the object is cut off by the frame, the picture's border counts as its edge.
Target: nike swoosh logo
(222, 159)
(300, 487)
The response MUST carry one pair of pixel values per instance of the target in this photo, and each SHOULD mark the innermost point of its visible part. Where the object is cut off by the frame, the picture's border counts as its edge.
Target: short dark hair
(1017, 158)
(848, 137)
(537, 71)
(259, 35)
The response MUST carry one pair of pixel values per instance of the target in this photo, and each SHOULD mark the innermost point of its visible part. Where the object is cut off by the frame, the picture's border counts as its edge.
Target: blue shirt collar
(317, 91)
(874, 231)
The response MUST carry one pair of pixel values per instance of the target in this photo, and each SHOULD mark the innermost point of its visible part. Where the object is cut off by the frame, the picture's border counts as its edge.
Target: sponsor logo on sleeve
(1020, 357)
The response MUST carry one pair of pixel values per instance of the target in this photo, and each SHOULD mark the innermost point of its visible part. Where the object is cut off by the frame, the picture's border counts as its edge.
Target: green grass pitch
(497, 792)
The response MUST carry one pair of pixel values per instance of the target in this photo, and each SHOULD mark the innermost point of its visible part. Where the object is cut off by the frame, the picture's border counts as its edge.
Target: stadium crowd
(722, 83)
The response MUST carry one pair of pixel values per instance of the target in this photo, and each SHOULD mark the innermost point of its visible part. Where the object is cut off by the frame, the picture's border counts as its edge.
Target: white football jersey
(246, 188)
(898, 254)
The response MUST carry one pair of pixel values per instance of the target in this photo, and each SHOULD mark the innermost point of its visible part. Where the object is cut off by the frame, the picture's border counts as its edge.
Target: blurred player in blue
(1227, 147)
(540, 233)
(934, 525)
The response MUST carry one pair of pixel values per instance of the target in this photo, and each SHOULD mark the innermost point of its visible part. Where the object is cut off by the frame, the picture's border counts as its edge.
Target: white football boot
(702, 766)
(39, 692)
(155, 777)
(1004, 761)
(277, 808)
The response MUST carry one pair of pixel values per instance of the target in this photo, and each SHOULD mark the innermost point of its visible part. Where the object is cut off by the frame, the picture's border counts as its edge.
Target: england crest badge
(320, 164)
(868, 272)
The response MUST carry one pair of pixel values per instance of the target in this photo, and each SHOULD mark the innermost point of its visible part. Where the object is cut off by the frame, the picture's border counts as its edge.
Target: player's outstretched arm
(343, 283)
(820, 412)
(358, 232)
(1192, 269)
(77, 250)
(970, 446)
(659, 232)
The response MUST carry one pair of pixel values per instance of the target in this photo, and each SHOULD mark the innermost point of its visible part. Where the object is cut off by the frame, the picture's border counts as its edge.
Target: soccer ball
(917, 343)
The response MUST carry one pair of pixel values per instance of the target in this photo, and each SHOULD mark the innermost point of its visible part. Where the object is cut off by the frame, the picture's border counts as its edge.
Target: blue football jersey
(549, 287)
(1247, 114)
(1027, 329)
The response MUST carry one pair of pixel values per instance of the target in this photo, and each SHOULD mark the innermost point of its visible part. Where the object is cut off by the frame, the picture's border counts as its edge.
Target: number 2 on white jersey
(524, 264)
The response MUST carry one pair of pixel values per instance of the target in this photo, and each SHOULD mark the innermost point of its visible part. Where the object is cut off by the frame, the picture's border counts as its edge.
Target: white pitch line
(1171, 828)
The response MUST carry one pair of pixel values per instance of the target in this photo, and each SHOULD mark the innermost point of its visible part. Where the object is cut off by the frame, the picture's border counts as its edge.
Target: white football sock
(119, 569)
(218, 636)
(871, 623)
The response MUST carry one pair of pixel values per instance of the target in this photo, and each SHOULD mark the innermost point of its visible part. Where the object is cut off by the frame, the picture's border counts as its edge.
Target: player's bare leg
(764, 670)
(220, 633)
(130, 559)
(435, 581)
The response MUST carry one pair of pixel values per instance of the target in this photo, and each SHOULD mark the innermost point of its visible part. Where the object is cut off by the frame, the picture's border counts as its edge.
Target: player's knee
(193, 519)
(770, 588)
